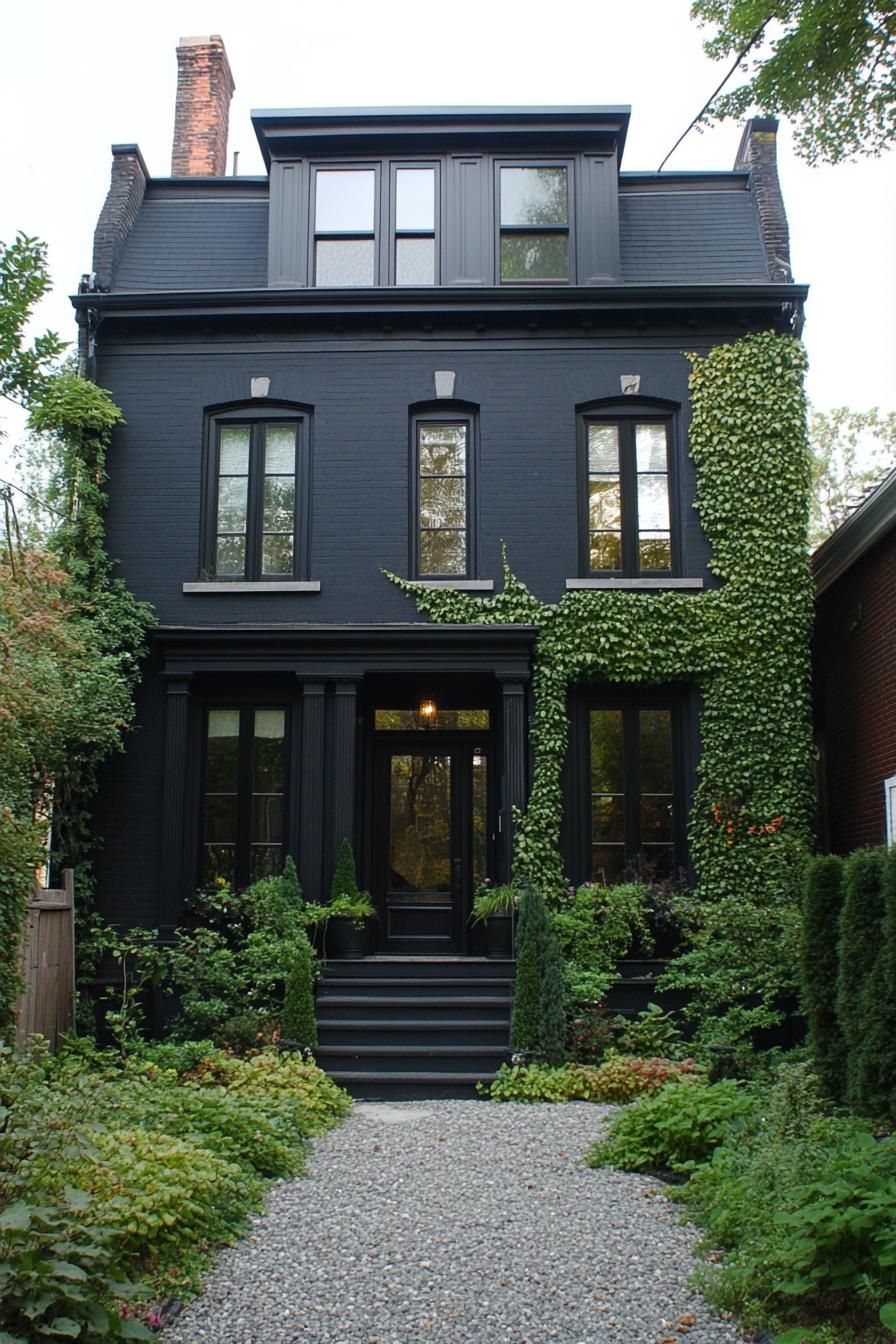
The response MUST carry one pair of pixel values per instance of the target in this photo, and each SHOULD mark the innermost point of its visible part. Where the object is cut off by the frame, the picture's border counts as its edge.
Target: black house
(422, 334)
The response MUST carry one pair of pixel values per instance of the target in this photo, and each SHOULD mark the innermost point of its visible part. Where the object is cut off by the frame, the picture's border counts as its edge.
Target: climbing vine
(71, 635)
(745, 645)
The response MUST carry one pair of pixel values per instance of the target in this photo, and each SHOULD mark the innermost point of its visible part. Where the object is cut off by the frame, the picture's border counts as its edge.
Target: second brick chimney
(202, 108)
(758, 154)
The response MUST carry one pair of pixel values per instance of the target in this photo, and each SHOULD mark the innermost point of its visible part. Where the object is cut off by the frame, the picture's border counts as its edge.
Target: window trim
(569, 230)
(255, 414)
(626, 412)
(246, 708)
(890, 811)
(630, 702)
(447, 412)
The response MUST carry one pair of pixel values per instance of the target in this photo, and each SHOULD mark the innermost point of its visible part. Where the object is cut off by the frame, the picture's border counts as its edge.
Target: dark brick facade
(855, 659)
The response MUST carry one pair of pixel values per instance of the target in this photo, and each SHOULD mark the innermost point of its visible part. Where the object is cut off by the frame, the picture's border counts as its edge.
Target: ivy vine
(745, 645)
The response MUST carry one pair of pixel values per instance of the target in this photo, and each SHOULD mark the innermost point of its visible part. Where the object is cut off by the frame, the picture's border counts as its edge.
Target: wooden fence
(47, 1004)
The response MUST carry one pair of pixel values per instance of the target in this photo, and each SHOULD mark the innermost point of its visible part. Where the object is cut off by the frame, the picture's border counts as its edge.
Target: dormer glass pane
(344, 261)
(415, 200)
(533, 196)
(534, 256)
(415, 261)
(344, 201)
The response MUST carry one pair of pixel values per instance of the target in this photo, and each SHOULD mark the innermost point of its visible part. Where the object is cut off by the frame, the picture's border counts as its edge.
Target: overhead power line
(28, 495)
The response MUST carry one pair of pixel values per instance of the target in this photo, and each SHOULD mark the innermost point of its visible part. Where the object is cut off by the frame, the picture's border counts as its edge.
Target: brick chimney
(758, 155)
(119, 213)
(202, 108)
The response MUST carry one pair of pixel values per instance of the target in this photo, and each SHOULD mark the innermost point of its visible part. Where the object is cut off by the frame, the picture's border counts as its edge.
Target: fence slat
(48, 964)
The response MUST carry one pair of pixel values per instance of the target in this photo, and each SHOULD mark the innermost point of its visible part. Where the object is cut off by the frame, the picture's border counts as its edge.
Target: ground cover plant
(619, 1079)
(118, 1180)
(800, 1199)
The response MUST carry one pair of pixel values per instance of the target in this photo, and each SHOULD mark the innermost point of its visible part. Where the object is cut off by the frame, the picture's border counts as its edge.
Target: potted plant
(495, 907)
(345, 915)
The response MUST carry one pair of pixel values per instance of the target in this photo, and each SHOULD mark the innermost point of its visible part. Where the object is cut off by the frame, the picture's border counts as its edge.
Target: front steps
(414, 1028)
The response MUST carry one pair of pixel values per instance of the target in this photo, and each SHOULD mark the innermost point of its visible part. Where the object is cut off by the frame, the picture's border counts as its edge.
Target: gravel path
(444, 1222)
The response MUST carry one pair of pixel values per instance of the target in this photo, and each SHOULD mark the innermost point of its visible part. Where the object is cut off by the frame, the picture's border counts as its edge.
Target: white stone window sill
(460, 585)
(262, 586)
(636, 585)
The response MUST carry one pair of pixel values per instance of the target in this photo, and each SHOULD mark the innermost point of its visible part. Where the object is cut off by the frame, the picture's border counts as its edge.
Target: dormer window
(534, 215)
(344, 226)
(415, 226)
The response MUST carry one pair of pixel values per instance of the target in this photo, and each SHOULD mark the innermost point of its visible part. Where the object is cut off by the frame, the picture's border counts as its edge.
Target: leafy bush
(231, 965)
(592, 1033)
(674, 1130)
(822, 903)
(875, 1068)
(652, 1032)
(596, 926)
(531, 937)
(619, 1079)
(172, 1148)
(801, 1201)
(299, 1021)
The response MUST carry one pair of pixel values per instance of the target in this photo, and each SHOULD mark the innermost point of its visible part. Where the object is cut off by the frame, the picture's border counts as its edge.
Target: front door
(430, 842)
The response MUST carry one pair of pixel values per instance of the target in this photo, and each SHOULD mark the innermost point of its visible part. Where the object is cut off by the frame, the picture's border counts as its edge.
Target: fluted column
(341, 764)
(311, 820)
(514, 792)
(172, 887)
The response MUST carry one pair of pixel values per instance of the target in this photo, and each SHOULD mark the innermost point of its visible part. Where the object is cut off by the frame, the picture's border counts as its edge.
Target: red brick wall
(855, 679)
(202, 108)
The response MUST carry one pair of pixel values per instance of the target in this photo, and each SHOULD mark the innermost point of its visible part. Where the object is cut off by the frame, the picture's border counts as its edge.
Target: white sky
(75, 79)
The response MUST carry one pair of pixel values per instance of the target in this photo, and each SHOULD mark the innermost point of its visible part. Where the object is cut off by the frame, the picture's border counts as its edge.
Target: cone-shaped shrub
(552, 1039)
(819, 957)
(861, 922)
(345, 882)
(299, 1023)
(875, 1070)
(525, 1029)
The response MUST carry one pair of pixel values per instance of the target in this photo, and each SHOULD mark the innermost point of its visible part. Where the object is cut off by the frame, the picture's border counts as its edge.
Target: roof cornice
(864, 527)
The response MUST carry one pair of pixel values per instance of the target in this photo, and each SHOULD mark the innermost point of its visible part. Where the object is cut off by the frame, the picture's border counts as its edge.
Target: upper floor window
(257, 491)
(534, 222)
(442, 496)
(626, 523)
(349, 246)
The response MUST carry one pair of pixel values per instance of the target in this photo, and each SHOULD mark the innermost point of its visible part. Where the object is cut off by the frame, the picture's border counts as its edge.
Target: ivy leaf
(63, 1326)
(17, 1218)
(888, 1316)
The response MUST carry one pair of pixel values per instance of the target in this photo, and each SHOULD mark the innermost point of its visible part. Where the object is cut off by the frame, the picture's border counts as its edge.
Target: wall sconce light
(426, 713)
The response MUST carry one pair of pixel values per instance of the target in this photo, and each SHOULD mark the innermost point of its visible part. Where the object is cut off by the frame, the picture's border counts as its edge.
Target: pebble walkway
(453, 1222)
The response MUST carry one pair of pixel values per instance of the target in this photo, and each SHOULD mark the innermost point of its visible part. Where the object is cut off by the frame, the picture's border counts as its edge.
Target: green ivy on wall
(745, 645)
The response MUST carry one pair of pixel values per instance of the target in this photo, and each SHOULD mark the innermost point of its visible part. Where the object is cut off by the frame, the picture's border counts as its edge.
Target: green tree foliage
(344, 885)
(752, 810)
(70, 635)
(851, 451)
(552, 1033)
(860, 937)
(819, 956)
(828, 64)
(876, 1063)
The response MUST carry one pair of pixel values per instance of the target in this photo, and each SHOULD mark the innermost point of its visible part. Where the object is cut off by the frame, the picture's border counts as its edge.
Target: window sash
(456, 505)
(243, 825)
(643, 541)
(270, 527)
(538, 239)
(629, 815)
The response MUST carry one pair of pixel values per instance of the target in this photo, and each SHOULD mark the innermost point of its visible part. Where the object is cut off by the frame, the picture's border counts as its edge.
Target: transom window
(245, 784)
(534, 223)
(627, 524)
(632, 790)
(257, 478)
(442, 498)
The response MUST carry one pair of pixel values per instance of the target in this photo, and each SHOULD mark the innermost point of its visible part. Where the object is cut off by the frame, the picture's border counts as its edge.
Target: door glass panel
(480, 817)
(607, 795)
(419, 827)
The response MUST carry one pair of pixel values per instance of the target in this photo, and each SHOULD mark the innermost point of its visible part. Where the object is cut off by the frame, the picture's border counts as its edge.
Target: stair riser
(422, 1061)
(410, 968)
(412, 1033)
(432, 1010)
(397, 989)
(408, 1091)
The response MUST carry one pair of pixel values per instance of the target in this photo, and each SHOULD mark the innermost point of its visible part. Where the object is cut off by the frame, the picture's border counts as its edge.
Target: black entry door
(430, 842)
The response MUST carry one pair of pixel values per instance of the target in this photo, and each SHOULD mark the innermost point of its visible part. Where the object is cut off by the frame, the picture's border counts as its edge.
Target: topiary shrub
(861, 921)
(819, 964)
(552, 1026)
(299, 1023)
(875, 1067)
(525, 1029)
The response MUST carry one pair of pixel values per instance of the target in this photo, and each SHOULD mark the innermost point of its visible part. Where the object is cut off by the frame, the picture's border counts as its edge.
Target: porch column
(342, 765)
(513, 791)
(311, 791)
(173, 872)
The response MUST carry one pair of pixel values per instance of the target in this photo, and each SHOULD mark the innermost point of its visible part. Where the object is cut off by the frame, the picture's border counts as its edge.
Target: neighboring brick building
(855, 676)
